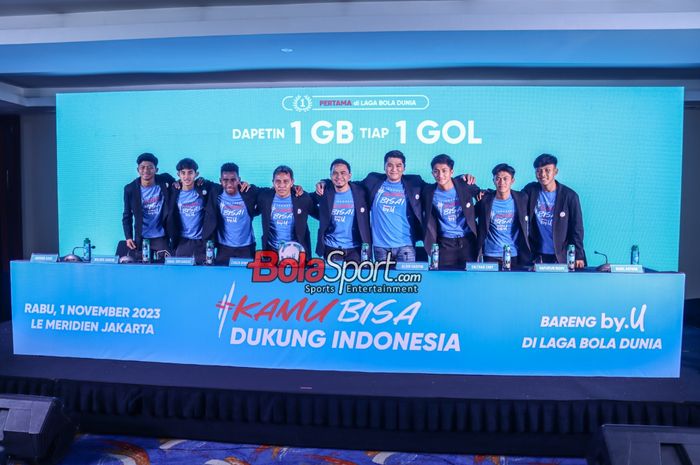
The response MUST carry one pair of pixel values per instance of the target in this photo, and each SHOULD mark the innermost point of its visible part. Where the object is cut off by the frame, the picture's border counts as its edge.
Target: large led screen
(619, 148)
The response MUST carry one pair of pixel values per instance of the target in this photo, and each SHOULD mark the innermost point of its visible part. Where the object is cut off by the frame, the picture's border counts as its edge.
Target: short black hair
(283, 169)
(146, 156)
(544, 159)
(395, 154)
(340, 161)
(442, 159)
(187, 164)
(503, 167)
(229, 167)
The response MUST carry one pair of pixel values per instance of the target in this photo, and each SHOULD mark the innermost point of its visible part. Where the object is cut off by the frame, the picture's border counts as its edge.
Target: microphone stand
(605, 267)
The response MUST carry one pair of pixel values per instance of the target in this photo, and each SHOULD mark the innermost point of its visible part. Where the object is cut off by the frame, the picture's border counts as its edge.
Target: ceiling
(49, 46)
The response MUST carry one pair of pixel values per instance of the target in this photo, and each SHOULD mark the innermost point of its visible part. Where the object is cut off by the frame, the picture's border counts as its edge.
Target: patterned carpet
(125, 450)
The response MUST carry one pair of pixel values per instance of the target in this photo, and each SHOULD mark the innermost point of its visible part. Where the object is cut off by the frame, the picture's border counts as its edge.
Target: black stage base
(509, 415)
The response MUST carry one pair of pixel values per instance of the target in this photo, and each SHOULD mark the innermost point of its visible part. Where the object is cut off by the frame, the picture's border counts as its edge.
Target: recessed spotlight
(287, 50)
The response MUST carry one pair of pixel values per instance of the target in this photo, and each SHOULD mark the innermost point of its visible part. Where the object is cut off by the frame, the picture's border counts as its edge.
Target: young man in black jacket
(396, 210)
(284, 215)
(555, 210)
(449, 216)
(185, 212)
(145, 199)
(343, 214)
(503, 220)
(229, 215)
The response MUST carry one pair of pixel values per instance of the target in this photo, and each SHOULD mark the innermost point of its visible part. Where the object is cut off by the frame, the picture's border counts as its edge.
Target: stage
(441, 413)
(480, 397)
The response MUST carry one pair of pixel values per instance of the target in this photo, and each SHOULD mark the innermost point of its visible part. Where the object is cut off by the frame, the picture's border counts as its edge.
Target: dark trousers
(349, 255)
(545, 258)
(224, 253)
(404, 253)
(514, 262)
(191, 248)
(456, 252)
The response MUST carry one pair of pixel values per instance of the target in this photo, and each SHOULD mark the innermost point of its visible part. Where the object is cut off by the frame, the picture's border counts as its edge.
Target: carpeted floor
(125, 450)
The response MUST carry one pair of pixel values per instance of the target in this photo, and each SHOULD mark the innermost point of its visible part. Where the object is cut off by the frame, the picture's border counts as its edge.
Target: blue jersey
(191, 208)
(281, 221)
(390, 226)
(236, 230)
(451, 220)
(503, 229)
(151, 205)
(340, 234)
(544, 212)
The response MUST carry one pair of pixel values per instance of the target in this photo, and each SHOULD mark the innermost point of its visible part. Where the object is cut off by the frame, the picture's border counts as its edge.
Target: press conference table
(465, 323)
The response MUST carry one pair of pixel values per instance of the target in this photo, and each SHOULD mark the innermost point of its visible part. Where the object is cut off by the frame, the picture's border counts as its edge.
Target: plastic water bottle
(87, 250)
(209, 257)
(571, 257)
(634, 255)
(146, 251)
(506, 258)
(434, 257)
(364, 252)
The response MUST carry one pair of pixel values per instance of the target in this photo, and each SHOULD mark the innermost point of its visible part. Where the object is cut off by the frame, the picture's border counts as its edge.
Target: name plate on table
(412, 266)
(105, 259)
(551, 268)
(185, 261)
(44, 258)
(239, 261)
(626, 269)
(482, 266)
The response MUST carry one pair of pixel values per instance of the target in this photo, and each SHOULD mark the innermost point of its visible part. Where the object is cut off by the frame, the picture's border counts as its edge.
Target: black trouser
(160, 246)
(456, 252)
(349, 255)
(224, 253)
(191, 248)
(514, 262)
(545, 258)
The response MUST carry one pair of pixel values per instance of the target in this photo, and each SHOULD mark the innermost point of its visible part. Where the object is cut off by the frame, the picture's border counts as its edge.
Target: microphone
(73, 257)
(130, 257)
(160, 255)
(605, 267)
